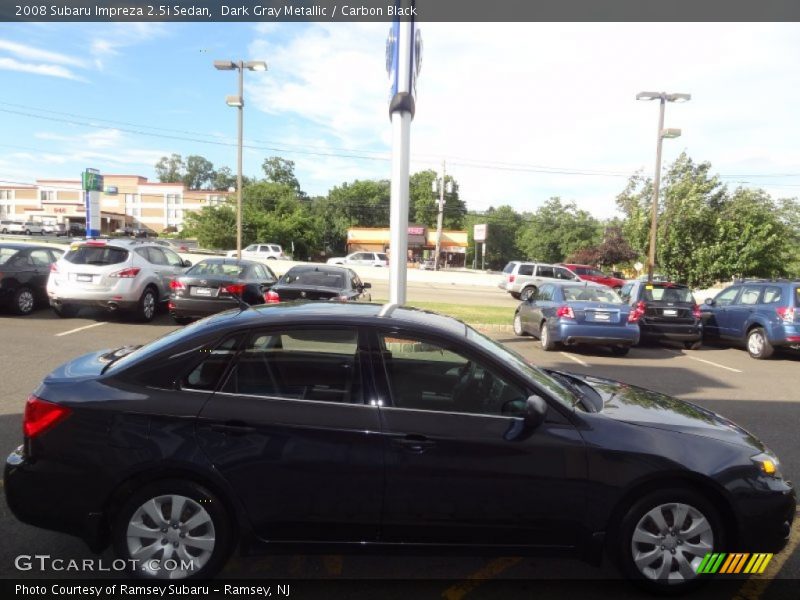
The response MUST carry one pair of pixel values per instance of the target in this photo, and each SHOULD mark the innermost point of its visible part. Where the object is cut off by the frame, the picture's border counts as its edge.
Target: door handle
(233, 428)
(414, 444)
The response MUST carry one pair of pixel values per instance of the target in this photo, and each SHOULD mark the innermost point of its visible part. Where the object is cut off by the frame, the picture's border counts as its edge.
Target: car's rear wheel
(518, 328)
(620, 350)
(24, 301)
(664, 537)
(146, 309)
(527, 293)
(514, 295)
(546, 339)
(182, 320)
(758, 345)
(693, 345)
(173, 529)
(65, 311)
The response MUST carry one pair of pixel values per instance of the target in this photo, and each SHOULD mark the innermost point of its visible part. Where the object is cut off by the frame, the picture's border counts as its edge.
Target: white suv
(12, 227)
(365, 259)
(261, 251)
(126, 275)
(522, 279)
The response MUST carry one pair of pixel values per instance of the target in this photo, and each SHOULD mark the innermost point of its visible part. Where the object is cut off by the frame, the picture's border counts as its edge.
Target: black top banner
(389, 10)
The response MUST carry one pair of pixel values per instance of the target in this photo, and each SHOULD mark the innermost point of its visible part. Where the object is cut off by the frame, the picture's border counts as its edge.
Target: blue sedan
(572, 313)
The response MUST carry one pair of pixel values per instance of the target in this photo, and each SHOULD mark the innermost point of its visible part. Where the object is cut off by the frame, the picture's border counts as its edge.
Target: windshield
(556, 389)
(579, 293)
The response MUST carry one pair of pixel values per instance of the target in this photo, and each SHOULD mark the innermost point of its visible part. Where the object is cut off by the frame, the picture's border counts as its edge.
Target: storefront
(421, 243)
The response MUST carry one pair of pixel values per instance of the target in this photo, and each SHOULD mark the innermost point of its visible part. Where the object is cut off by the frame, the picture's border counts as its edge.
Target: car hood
(646, 408)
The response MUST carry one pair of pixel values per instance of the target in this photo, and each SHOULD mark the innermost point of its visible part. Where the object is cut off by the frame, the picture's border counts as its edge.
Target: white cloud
(11, 64)
(37, 54)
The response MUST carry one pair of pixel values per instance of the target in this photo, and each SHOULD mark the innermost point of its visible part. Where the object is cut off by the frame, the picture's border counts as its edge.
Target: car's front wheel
(758, 345)
(173, 529)
(665, 536)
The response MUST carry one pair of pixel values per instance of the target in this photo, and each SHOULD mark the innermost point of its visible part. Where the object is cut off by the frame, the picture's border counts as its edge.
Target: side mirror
(709, 301)
(367, 285)
(535, 411)
(187, 263)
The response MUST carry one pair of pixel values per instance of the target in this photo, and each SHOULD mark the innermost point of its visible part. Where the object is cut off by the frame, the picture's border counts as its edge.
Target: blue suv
(761, 315)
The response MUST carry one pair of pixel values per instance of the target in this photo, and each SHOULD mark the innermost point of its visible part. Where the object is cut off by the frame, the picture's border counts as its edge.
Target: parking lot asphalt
(762, 396)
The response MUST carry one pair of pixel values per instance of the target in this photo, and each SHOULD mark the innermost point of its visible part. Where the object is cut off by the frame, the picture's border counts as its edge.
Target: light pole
(439, 185)
(238, 102)
(663, 98)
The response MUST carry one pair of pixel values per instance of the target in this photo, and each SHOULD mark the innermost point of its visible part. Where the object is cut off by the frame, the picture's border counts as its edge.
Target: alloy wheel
(670, 541)
(148, 305)
(517, 325)
(25, 302)
(170, 528)
(755, 343)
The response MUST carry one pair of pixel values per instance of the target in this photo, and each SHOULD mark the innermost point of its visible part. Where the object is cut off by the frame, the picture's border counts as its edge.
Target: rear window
(382, 257)
(315, 278)
(581, 293)
(663, 293)
(6, 254)
(96, 255)
(216, 270)
(509, 268)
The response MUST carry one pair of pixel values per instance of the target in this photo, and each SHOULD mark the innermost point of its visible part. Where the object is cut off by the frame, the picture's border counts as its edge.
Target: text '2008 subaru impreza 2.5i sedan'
(342, 425)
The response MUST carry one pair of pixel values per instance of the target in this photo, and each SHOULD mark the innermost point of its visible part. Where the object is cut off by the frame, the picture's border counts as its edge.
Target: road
(762, 396)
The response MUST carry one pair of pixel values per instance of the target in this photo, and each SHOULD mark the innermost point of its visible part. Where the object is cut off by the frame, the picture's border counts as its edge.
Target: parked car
(759, 315)
(319, 282)
(666, 311)
(32, 228)
(76, 230)
(356, 425)
(172, 245)
(127, 231)
(56, 229)
(363, 259)
(117, 274)
(8, 226)
(588, 273)
(217, 284)
(657, 277)
(427, 265)
(522, 279)
(23, 275)
(572, 313)
(261, 251)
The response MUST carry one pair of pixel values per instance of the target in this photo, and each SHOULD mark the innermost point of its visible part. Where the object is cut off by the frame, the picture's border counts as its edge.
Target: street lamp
(663, 98)
(238, 102)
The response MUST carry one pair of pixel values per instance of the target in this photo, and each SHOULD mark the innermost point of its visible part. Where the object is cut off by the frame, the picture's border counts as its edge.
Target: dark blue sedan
(572, 313)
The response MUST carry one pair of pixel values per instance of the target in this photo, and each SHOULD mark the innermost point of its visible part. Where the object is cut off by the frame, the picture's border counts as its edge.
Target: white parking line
(713, 364)
(80, 329)
(575, 358)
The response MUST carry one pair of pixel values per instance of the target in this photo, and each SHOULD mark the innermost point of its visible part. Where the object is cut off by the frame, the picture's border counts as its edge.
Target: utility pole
(440, 218)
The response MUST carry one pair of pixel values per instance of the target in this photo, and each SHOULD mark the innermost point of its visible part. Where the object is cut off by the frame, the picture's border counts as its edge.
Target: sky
(519, 112)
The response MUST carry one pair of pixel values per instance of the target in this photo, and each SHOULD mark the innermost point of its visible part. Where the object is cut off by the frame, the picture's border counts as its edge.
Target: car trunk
(307, 292)
(598, 312)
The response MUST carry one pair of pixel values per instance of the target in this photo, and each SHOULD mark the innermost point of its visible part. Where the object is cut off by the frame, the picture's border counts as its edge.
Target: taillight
(235, 288)
(53, 268)
(565, 312)
(696, 313)
(129, 273)
(511, 278)
(786, 313)
(41, 415)
(272, 297)
(176, 285)
(637, 312)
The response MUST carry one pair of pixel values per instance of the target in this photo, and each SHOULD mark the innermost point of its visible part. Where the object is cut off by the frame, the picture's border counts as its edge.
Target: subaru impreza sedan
(342, 426)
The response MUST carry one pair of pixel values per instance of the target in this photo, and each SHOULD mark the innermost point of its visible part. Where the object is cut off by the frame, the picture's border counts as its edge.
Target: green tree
(363, 203)
(213, 226)
(170, 169)
(423, 206)
(199, 173)
(556, 230)
(503, 224)
(281, 170)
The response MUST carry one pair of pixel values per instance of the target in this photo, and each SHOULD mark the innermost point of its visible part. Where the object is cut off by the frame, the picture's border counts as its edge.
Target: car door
(531, 311)
(716, 316)
(40, 259)
(162, 269)
(457, 471)
(739, 313)
(291, 432)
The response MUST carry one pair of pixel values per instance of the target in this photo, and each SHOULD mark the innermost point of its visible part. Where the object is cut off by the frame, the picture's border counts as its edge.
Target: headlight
(767, 464)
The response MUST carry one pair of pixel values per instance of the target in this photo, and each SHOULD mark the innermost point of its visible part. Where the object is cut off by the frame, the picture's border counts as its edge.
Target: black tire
(199, 505)
(519, 330)
(683, 554)
(527, 293)
(620, 350)
(148, 304)
(24, 301)
(182, 320)
(514, 295)
(548, 345)
(66, 311)
(693, 345)
(758, 345)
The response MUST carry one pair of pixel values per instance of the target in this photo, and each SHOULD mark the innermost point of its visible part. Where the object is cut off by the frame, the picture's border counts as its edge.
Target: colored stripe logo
(736, 562)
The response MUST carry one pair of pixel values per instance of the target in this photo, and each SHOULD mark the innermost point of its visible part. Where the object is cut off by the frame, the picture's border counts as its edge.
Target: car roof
(338, 313)
(591, 284)
(21, 246)
(224, 260)
(320, 268)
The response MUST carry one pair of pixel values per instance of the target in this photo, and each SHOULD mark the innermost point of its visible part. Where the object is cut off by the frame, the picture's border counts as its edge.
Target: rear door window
(96, 255)
(525, 270)
(772, 295)
(543, 271)
(564, 274)
(750, 295)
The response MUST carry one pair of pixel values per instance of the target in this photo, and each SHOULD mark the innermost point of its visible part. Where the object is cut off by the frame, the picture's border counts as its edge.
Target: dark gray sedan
(573, 313)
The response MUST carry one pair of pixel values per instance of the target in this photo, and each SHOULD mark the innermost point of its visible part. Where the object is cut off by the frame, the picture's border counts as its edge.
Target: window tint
(726, 297)
(772, 295)
(509, 268)
(581, 293)
(318, 365)
(40, 258)
(525, 270)
(275, 248)
(96, 255)
(251, 248)
(562, 273)
(750, 294)
(427, 376)
(173, 259)
(314, 278)
(382, 257)
(543, 271)
(156, 256)
(664, 293)
(206, 375)
(6, 254)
